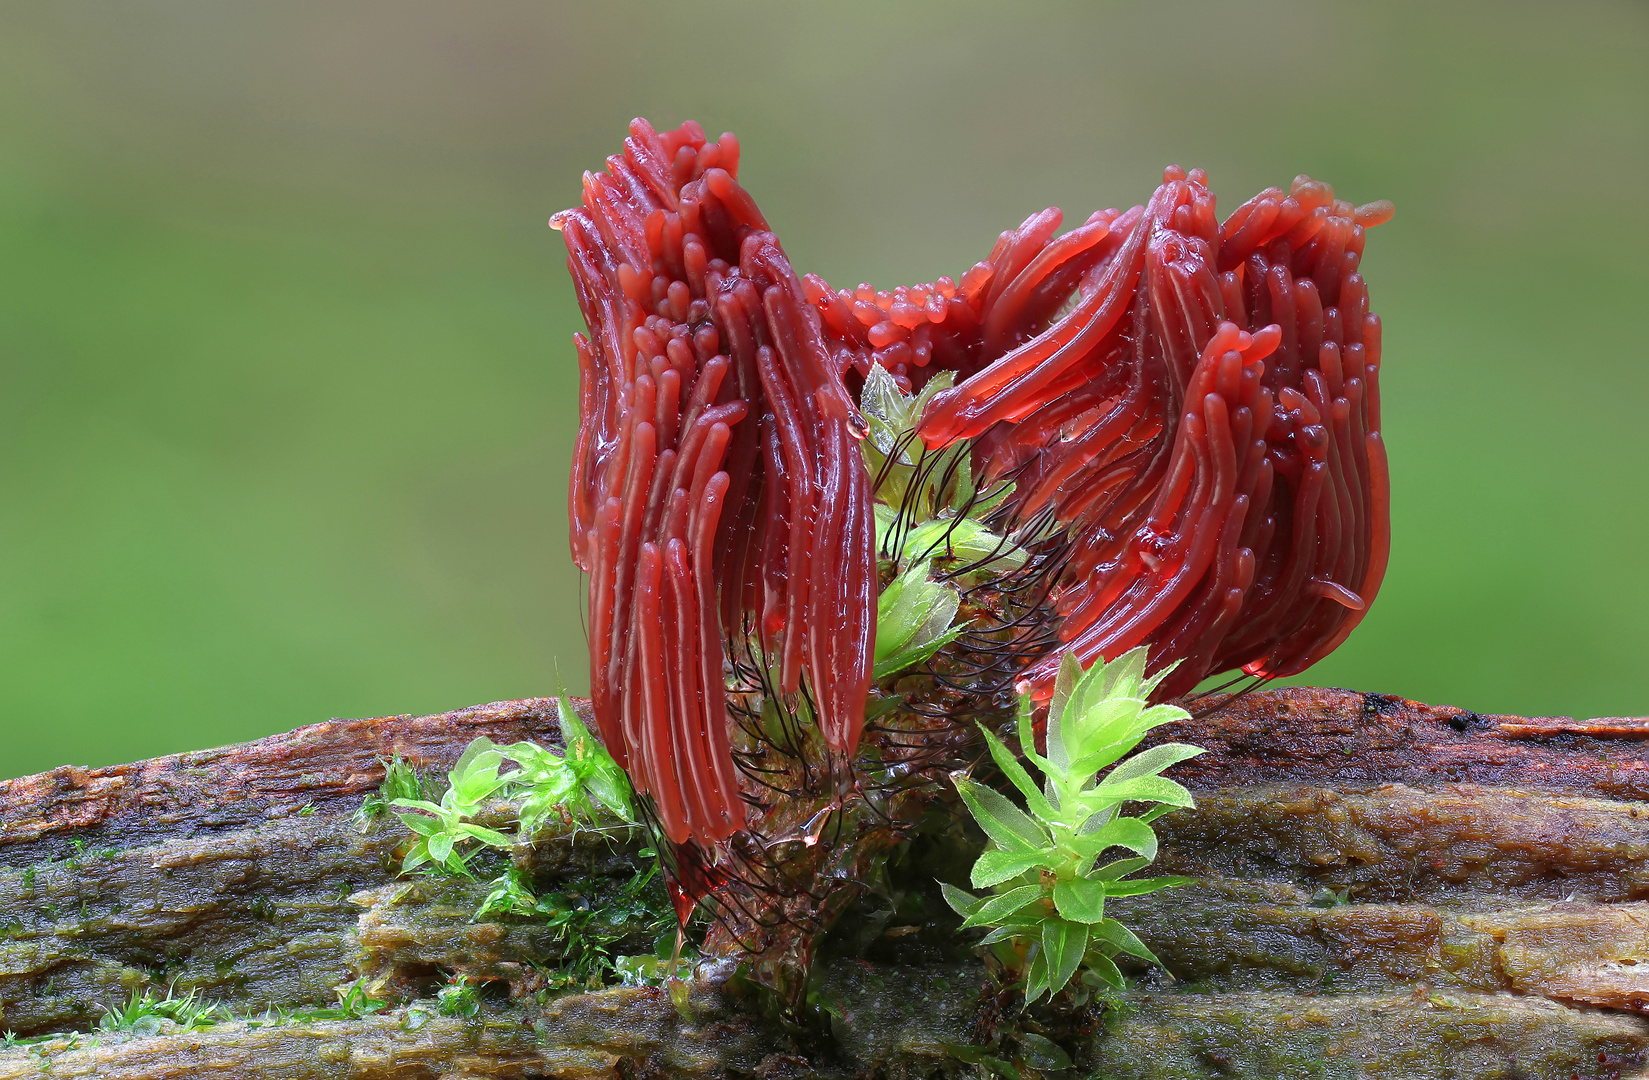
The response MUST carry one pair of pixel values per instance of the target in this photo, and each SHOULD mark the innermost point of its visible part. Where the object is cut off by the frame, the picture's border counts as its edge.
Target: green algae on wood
(1358, 916)
(581, 1035)
(1434, 1036)
(1240, 935)
(1405, 843)
(275, 915)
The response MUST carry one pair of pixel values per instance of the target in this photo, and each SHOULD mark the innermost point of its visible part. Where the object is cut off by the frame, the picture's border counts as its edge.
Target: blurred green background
(286, 387)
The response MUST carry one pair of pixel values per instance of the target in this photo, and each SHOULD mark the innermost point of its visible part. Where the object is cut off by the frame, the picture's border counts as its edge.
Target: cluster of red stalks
(1188, 410)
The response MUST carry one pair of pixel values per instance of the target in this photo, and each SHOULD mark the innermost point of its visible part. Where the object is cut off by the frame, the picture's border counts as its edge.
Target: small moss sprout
(145, 1014)
(1047, 885)
(582, 781)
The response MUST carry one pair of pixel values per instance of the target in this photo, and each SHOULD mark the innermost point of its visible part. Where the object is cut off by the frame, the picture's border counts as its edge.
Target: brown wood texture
(1340, 738)
(1297, 735)
(1385, 889)
(324, 766)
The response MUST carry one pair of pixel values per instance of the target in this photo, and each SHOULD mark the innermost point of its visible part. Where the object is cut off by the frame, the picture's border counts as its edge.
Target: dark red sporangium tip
(1193, 403)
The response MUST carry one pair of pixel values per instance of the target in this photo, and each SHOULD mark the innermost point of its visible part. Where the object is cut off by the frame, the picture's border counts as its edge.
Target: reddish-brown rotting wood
(1565, 942)
(328, 765)
(1314, 735)
(1306, 735)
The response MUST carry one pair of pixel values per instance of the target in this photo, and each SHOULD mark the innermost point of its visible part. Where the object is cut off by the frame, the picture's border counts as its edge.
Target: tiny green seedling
(509, 895)
(928, 505)
(927, 485)
(928, 511)
(589, 925)
(401, 781)
(1046, 907)
(444, 828)
(914, 619)
(580, 781)
(460, 998)
(354, 1002)
(144, 1014)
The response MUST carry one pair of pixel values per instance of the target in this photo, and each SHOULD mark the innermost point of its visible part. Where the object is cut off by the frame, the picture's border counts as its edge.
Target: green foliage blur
(287, 393)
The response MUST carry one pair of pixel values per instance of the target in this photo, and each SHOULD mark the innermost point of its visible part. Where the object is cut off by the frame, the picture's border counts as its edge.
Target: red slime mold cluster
(1191, 404)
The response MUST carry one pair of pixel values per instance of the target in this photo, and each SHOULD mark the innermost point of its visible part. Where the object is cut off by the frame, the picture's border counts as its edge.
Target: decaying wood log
(1386, 889)
(328, 767)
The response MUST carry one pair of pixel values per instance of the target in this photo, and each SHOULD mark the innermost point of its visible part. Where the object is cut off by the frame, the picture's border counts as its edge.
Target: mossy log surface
(1385, 889)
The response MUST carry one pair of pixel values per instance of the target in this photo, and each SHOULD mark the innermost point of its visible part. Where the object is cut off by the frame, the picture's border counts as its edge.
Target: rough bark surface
(326, 767)
(1386, 889)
